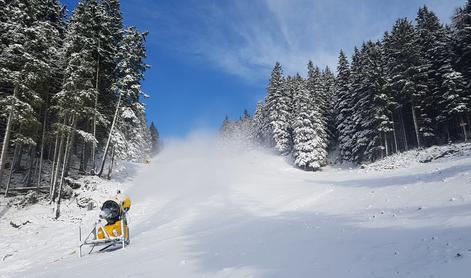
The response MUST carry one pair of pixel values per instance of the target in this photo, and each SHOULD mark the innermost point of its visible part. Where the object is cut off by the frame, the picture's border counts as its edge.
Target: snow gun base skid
(106, 236)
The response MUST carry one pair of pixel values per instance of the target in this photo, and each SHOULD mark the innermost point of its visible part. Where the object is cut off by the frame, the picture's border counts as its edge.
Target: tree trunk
(110, 168)
(69, 157)
(20, 154)
(97, 83)
(49, 152)
(468, 122)
(27, 179)
(85, 153)
(463, 124)
(447, 130)
(109, 136)
(41, 152)
(386, 145)
(416, 126)
(82, 158)
(12, 170)
(58, 163)
(394, 132)
(6, 142)
(403, 129)
(67, 150)
(54, 161)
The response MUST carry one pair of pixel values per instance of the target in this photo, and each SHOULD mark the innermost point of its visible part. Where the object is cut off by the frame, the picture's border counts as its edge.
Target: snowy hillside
(200, 211)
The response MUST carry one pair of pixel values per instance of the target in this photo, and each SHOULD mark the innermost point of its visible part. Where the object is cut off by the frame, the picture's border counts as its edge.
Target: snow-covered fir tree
(462, 41)
(445, 85)
(260, 130)
(239, 133)
(328, 89)
(407, 80)
(309, 135)
(279, 106)
(344, 109)
(31, 38)
(132, 138)
(155, 137)
(371, 110)
(318, 94)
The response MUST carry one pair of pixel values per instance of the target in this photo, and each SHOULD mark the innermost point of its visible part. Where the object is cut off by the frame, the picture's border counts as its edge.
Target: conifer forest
(70, 94)
(411, 89)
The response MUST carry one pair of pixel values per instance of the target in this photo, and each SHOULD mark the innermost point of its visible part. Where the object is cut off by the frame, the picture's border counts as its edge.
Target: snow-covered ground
(201, 211)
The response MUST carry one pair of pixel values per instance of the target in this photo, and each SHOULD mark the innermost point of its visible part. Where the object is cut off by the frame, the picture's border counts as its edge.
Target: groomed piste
(250, 214)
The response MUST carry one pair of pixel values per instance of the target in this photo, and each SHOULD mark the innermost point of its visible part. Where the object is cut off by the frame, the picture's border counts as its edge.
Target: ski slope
(205, 211)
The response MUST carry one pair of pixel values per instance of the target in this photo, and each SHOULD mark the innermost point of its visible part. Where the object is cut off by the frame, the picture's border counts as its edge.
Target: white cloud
(245, 38)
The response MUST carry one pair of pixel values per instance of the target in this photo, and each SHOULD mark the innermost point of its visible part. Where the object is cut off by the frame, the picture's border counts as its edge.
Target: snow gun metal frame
(114, 232)
(108, 241)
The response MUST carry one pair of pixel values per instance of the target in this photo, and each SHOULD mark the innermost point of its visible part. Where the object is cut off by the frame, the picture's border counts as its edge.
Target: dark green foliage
(59, 79)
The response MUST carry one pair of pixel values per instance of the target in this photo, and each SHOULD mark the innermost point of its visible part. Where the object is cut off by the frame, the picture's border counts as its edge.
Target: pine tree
(50, 22)
(244, 126)
(279, 102)
(239, 132)
(155, 137)
(406, 71)
(446, 86)
(310, 149)
(13, 58)
(260, 129)
(315, 86)
(318, 95)
(108, 32)
(371, 114)
(343, 107)
(132, 138)
(328, 89)
(30, 41)
(462, 41)
(55, 93)
(357, 91)
(74, 103)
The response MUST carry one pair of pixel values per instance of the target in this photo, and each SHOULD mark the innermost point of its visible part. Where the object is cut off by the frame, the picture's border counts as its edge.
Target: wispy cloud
(245, 38)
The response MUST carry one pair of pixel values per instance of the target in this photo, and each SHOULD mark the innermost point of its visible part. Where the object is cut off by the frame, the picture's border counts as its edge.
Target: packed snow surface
(200, 210)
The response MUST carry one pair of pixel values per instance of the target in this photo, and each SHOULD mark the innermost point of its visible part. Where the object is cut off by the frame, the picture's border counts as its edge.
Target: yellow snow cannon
(111, 229)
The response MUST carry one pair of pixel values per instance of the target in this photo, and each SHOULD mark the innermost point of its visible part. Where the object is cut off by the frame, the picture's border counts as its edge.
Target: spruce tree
(343, 107)
(407, 80)
(279, 105)
(260, 129)
(14, 57)
(30, 39)
(371, 107)
(462, 41)
(357, 90)
(318, 95)
(446, 86)
(309, 135)
(315, 86)
(74, 103)
(109, 31)
(131, 137)
(328, 90)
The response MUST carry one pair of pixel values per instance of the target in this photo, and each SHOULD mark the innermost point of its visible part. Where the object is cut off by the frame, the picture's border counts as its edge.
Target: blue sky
(210, 58)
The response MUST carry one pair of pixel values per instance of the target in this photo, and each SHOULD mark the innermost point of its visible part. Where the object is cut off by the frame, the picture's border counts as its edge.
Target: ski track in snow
(200, 211)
